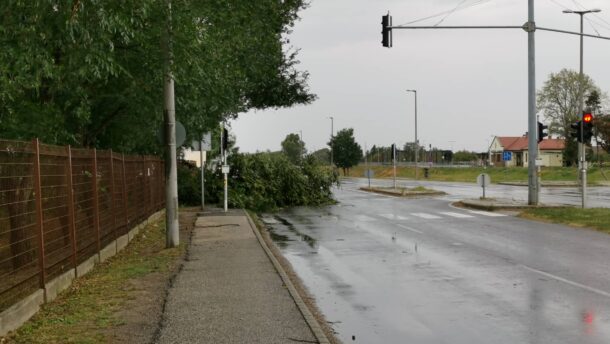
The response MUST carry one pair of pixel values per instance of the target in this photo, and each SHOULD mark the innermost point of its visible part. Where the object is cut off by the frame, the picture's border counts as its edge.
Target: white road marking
(567, 281)
(410, 229)
(458, 215)
(362, 217)
(426, 216)
(486, 213)
(394, 217)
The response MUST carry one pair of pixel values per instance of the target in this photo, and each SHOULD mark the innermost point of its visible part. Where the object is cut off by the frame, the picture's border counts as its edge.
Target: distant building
(510, 151)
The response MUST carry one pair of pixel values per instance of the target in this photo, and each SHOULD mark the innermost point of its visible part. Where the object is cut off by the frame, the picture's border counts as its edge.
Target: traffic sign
(507, 156)
(483, 180)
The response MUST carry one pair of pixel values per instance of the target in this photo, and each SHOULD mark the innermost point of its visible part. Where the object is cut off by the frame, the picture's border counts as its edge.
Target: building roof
(519, 143)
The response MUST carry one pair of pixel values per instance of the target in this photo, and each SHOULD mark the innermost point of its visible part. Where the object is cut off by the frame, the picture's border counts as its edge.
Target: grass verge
(92, 309)
(595, 218)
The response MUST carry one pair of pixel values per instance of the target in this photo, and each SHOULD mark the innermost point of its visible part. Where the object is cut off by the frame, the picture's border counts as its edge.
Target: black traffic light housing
(386, 31)
(393, 152)
(587, 127)
(575, 131)
(541, 131)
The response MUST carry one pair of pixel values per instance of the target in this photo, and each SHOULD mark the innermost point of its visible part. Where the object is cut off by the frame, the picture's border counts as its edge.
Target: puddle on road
(304, 237)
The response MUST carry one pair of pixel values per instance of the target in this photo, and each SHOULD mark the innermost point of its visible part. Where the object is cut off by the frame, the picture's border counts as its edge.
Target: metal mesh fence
(59, 206)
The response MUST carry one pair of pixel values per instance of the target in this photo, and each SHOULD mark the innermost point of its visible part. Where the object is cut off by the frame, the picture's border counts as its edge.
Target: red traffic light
(587, 117)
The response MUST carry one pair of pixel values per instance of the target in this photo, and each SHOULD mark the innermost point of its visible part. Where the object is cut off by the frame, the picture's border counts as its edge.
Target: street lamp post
(581, 145)
(332, 133)
(416, 142)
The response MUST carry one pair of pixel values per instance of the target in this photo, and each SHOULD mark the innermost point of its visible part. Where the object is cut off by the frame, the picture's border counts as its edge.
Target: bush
(262, 182)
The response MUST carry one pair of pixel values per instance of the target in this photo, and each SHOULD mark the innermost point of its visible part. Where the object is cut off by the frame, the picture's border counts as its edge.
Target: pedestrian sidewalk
(229, 291)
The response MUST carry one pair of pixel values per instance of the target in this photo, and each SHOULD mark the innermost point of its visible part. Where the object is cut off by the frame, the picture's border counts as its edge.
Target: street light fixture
(581, 146)
(416, 142)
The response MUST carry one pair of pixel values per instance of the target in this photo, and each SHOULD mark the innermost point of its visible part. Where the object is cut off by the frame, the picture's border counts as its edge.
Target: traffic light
(386, 32)
(587, 127)
(541, 133)
(575, 131)
(393, 152)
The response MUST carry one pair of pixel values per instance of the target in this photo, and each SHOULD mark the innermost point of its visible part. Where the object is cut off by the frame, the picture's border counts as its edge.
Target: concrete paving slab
(228, 291)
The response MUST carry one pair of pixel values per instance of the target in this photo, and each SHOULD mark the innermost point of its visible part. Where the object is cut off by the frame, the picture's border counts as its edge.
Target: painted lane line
(426, 216)
(486, 213)
(394, 217)
(458, 215)
(567, 281)
(410, 229)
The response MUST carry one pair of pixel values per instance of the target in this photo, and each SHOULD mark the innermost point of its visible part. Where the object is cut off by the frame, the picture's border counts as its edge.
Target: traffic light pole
(532, 120)
(530, 27)
(581, 145)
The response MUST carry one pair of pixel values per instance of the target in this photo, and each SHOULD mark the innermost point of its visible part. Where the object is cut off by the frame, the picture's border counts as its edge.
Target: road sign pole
(202, 175)
(394, 162)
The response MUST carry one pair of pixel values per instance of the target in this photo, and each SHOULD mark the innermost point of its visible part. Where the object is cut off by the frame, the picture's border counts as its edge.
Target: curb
(407, 195)
(309, 318)
(491, 207)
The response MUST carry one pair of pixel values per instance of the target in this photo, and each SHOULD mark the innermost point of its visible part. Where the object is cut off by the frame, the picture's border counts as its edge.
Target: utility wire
(479, 2)
(589, 21)
(451, 12)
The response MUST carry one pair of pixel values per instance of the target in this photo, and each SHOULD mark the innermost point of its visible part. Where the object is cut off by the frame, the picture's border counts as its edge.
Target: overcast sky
(471, 84)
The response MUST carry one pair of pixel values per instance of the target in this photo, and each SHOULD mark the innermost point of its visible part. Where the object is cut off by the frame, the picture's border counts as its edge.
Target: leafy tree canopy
(560, 99)
(346, 151)
(293, 148)
(90, 73)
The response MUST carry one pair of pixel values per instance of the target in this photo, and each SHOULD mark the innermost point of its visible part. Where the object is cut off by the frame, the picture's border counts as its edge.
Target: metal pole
(394, 162)
(416, 140)
(171, 176)
(366, 162)
(202, 175)
(532, 127)
(224, 163)
(581, 145)
(332, 134)
(39, 216)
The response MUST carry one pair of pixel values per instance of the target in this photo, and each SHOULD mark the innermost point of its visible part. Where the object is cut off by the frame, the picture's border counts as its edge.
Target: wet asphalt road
(598, 196)
(394, 270)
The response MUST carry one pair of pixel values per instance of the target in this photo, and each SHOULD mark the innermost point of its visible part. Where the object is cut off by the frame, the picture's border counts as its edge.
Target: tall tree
(346, 151)
(293, 148)
(560, 99)
(88, 72)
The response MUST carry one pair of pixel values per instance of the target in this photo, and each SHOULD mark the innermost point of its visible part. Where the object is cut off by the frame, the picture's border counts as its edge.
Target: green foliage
(189, 184)
(88, 73)
(346, 152)
(322, 156)
(560, 99)
(267, 181)
(293, 148)
(463, 155)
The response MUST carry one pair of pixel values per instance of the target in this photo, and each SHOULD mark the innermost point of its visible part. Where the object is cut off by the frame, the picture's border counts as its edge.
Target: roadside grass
(469, 174)
(595, 218)
(83, 313)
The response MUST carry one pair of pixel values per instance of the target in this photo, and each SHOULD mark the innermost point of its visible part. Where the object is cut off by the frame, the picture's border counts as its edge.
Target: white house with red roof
(512, 151)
